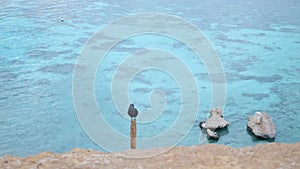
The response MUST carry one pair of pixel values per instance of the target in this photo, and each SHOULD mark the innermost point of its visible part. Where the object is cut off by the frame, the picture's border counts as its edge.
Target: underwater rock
(215, 121)
(261, 125)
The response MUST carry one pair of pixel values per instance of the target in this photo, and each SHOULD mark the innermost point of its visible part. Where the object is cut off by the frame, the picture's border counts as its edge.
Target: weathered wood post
(133, 134)
(132, 112)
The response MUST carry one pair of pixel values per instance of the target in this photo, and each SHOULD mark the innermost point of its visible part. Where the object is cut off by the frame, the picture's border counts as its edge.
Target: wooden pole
(133, 134)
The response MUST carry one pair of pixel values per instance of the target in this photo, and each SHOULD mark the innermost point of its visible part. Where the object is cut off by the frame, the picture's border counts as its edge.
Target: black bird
(201, 124)
(132, 111)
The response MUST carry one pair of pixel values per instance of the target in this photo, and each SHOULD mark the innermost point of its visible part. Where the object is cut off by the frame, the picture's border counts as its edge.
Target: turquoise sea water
(258, 43)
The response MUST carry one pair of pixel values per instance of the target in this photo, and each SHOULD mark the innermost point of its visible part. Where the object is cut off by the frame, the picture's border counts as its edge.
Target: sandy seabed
(269, 156)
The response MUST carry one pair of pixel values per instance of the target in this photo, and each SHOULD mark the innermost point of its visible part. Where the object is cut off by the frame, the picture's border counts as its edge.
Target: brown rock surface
(272, 155)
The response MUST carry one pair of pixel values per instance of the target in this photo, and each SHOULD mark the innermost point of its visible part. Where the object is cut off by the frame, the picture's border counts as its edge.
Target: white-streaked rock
(214, 122)
(261, 125)
(212, 134)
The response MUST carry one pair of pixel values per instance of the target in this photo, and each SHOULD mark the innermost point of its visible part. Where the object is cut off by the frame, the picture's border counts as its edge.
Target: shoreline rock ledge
(207, 156)
(261, 125)
(215, 121)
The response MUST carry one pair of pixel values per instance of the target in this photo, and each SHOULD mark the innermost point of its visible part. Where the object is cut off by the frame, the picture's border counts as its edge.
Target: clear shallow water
(258, 43)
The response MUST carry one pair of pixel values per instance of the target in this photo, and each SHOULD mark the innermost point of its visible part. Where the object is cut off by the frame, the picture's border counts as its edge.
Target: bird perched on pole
(132, 111)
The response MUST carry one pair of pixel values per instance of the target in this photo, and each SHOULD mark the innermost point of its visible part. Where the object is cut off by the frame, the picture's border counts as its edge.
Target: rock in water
(216, 120)
(212, 134)
(261, 125)
(216, 112)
